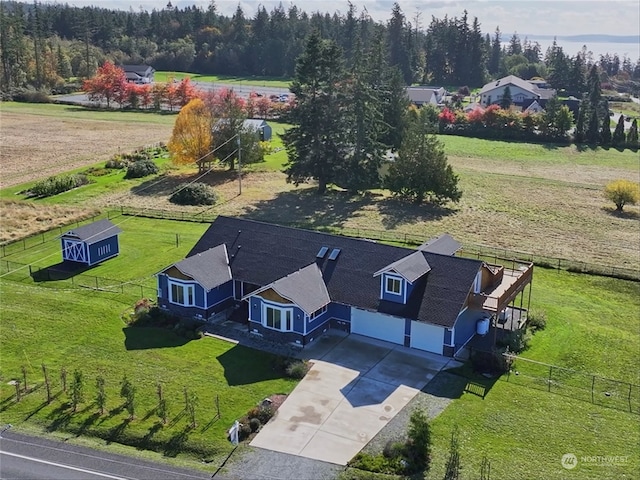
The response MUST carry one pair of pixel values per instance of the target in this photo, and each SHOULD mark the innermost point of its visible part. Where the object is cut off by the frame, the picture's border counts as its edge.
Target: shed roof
(94, 232)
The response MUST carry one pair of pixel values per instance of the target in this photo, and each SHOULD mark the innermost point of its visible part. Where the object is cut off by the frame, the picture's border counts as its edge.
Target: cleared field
(36, 142)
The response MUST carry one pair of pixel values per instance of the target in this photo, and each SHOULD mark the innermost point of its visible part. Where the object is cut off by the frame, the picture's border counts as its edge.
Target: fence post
(177, 240)
(630, 409)
(96, 283)
(593, 384)
(549, 383)
(24, 243)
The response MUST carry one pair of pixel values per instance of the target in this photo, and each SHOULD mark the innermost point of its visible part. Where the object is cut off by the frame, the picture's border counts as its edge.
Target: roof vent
(334, 254)
(322, 252)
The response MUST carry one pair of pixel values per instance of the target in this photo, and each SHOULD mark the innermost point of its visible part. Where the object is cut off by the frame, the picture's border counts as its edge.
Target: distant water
(570, 47)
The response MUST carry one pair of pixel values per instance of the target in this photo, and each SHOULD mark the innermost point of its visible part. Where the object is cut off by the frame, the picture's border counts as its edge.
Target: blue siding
(163, 291)
(317, 321)
(219, 294)
(391, 297)
(465, 326)
(255, 313)
(199, 293)
(447, 336)
(103, 250)
(339, 311)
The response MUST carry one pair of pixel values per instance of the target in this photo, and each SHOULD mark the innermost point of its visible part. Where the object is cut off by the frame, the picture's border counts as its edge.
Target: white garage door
(427, 337)
(377, 325)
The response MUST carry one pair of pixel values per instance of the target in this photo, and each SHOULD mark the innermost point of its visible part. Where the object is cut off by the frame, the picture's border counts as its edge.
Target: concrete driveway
(353, 389)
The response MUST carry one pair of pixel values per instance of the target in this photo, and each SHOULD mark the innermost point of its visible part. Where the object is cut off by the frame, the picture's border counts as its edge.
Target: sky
(539, 17)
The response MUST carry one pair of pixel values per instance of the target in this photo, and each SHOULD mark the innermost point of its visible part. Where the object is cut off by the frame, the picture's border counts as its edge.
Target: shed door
(74, 250)
(425, 336)
(377, 325)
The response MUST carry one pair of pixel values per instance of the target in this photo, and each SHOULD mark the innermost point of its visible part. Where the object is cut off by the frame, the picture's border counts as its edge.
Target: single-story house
(92, 243)
(259, 125)
(296, 284)
(420, 96)
(521, 91)
(140, 74)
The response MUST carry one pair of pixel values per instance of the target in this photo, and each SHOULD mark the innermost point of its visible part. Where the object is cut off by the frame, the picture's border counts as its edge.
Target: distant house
(420, 96)
(260, 126)
(140, 74)
(533, 107)
(291, 285)
(92, 243)
(521, 91)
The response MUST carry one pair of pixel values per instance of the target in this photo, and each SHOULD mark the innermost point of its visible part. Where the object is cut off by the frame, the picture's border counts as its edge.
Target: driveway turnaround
(349, 394)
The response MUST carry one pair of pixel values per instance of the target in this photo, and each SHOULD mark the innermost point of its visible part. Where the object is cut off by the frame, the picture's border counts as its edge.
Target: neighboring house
(420, 96)
(91, 244)
(140, 74)
(471, 107)
(260, 126)
(521, 91)
(534, 107)
(292, 285)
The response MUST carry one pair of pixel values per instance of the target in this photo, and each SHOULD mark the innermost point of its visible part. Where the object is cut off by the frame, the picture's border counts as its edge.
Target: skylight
(322, 252)
(334, 254)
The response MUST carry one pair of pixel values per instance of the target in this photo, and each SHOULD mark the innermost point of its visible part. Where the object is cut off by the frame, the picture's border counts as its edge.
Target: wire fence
(468, 249)
(65, 279)
(574, 384)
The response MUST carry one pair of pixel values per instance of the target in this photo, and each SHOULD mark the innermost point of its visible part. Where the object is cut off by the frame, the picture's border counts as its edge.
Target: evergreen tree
(515, 47)
(399, 47)
(593, 130)
(315, 143)
(605, 132)
(558, 65)
(496, 53)
(364, 123)
(632, 136)
(595, 90)
(577, 76)
(395, 107)
(77, 389)
(580, 131)
(421, 170)
(618, 135)
(506, 101)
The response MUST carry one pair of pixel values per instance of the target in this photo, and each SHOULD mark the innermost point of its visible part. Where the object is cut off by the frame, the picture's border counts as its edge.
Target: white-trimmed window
(181, 294)
(317, 313)
(393, 285)
(277, 318)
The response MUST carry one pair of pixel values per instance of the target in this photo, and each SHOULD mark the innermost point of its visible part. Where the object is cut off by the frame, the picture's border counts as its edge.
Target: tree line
(42, 45)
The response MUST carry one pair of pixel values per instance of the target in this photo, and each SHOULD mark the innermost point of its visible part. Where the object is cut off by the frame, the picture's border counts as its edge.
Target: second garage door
(427, 337)
(377, 325)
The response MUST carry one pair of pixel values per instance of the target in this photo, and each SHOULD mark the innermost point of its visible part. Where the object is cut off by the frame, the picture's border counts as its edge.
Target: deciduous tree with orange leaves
(109, 83)
(191, 138)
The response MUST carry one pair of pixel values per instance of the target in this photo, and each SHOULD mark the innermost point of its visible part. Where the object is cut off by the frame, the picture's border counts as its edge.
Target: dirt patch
(34, 146)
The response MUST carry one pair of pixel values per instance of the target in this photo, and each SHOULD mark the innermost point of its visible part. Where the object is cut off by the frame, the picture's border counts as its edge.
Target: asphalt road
(241, 90)
(24, 457)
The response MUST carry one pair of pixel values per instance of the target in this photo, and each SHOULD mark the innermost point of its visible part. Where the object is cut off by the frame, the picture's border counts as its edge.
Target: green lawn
(83, 330)
(250, 81)
(538, 154)
(525, 432)
(62, 112)
(140, 237)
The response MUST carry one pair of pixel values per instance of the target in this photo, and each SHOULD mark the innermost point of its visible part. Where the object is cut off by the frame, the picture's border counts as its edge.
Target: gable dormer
(397, 279)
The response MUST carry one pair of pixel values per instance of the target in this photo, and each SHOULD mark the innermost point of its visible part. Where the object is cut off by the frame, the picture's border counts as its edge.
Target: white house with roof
(521, 91)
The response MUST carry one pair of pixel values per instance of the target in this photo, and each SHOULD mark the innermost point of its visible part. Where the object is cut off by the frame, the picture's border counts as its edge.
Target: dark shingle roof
(94, 232)
(304, 287)
(262, 253)
(137, 69)
(411, 267)
(209, 268)
(445, 244)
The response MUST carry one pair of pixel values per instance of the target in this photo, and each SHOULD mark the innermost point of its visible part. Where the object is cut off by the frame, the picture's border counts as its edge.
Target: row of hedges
(56, 184)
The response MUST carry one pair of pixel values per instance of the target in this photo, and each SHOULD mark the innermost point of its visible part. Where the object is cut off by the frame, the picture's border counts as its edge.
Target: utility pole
(239, 166)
